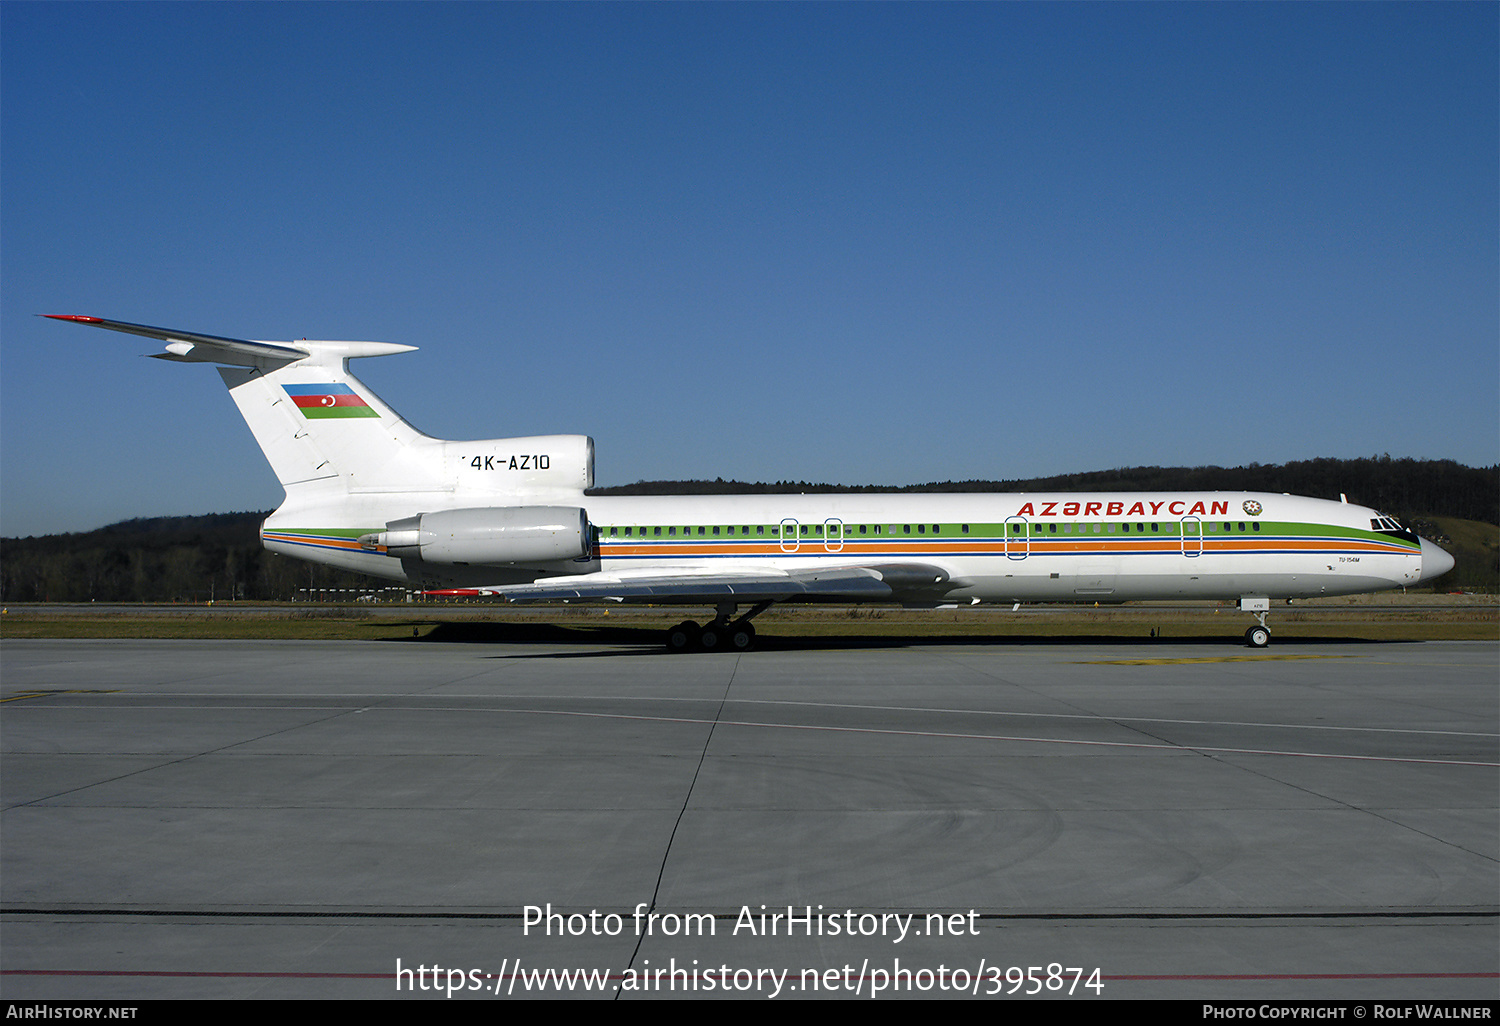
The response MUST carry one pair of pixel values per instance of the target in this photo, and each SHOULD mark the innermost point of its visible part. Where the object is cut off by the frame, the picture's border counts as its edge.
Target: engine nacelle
(492, 535)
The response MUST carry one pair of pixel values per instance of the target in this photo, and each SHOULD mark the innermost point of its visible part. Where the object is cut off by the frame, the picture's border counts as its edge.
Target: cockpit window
(1390, 525)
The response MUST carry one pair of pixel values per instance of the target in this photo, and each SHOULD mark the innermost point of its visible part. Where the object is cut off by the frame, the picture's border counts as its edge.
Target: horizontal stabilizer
(191, 347)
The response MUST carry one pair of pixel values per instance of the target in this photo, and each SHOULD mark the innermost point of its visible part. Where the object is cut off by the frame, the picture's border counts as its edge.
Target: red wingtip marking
(74, 317)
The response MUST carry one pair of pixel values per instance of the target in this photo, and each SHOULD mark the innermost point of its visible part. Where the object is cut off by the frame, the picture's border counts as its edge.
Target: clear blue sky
(853, 243)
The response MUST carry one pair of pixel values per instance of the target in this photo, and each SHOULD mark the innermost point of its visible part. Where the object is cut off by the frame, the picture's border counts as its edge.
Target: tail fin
(319, 426)
(327, 436)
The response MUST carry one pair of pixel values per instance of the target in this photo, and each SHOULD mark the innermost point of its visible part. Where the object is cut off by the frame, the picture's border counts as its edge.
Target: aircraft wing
(885, 582)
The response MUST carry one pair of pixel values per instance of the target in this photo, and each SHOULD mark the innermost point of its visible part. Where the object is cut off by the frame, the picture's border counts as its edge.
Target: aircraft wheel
(683, 637)
(711, 637)
(1257, 637)
(740, 637)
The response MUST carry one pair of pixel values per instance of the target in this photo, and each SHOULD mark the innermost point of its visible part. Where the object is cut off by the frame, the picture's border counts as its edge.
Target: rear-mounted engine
(493, 535)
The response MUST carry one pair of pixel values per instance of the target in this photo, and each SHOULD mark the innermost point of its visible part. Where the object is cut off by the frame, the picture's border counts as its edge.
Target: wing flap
(892, 582)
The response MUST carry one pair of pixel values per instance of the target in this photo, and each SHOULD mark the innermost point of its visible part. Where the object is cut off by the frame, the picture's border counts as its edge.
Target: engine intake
(496, 534)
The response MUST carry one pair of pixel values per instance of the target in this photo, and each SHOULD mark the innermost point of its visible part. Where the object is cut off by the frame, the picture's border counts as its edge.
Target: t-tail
(366, 491)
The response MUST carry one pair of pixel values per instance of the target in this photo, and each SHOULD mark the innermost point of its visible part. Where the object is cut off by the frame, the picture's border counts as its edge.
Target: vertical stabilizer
(321, 427)
(342, 454)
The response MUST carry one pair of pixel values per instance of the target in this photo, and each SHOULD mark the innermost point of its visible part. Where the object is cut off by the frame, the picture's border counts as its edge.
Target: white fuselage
(1056, 547)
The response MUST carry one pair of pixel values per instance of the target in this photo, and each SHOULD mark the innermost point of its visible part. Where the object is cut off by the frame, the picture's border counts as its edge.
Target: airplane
(510, 518)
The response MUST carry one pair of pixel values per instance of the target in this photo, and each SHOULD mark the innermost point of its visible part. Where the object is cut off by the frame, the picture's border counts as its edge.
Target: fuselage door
(789, 539)
(833, 534)
(1017, 538)
(1192, 536)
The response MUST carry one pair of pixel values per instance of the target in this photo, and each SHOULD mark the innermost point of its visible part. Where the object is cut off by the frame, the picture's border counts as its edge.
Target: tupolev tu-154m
(511, 518)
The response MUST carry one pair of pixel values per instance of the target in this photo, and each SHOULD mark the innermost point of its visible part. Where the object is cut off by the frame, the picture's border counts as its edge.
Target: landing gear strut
(1257, 637)
(720, 634)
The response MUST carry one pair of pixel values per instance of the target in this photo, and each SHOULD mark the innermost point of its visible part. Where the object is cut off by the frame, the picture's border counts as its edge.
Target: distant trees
(160, 559)
(1401, 487)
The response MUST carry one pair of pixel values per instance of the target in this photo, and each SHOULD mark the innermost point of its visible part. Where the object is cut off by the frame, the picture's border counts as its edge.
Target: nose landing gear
(1257, 637)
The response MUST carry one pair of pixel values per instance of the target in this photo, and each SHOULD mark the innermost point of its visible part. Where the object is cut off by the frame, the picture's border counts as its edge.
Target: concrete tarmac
(241, 819)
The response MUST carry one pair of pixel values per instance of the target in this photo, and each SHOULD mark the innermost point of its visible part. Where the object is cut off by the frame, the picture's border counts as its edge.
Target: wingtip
(73, 317)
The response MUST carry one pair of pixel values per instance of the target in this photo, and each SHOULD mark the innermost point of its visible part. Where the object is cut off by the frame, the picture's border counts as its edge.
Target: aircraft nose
(1435, 562)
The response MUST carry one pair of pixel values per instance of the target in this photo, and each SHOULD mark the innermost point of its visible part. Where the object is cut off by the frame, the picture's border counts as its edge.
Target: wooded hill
(1400, 487)
(219, 557)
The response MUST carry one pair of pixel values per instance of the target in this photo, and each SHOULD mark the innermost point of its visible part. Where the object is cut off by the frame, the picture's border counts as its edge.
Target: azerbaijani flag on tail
(319, 402)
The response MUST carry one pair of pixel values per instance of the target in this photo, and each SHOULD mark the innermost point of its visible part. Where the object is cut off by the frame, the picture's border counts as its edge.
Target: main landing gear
(721, 634)
(1259, 636)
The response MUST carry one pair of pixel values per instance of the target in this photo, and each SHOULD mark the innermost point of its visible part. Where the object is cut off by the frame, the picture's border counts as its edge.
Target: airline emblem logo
(321, 402)
(1252, 507)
